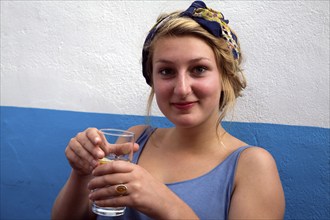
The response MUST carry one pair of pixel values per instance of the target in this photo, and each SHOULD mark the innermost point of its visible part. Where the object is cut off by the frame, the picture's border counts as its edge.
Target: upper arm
(258, 191)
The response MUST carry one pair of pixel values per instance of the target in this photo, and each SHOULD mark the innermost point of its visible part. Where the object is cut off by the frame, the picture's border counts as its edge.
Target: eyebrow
(190, 61)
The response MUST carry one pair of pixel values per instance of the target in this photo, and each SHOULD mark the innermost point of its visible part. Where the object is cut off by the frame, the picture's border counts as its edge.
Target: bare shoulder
(256, 157)
(258, 191)
(256, 163)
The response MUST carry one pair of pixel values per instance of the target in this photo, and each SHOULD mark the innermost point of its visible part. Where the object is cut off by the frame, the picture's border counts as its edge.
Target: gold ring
(121, 189)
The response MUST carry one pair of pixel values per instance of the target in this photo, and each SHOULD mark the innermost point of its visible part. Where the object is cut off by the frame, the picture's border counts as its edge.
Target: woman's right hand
(86, 148)
(84, 151)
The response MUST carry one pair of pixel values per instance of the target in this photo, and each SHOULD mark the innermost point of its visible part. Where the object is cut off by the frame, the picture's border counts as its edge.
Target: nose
(182, 87)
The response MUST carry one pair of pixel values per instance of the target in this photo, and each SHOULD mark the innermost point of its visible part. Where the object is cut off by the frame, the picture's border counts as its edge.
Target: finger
(135, 147)
(105, 193)
(91, 140)
(77, 163)
(82, 152)
(94, 135)
(108, 180)
(104, 143)
(120, 149)
(122, 145)
(94, 150)
(118, 166)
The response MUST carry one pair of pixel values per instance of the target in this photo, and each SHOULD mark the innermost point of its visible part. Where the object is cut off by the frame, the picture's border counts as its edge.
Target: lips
(183, 105)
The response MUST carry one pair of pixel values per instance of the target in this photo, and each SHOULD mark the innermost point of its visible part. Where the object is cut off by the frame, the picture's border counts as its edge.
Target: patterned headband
(211, 20)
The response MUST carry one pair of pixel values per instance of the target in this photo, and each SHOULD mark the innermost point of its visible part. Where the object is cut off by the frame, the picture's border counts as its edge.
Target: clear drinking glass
(115, 136)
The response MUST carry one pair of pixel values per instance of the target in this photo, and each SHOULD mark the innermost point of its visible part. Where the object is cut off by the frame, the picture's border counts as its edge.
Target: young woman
(194, 170)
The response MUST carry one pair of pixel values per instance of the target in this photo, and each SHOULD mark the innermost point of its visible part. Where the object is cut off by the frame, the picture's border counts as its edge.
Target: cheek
(209, 88)
(161, 92)
(162, 87)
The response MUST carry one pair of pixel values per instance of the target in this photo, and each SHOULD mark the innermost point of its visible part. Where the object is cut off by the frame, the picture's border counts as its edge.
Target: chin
(184, 122)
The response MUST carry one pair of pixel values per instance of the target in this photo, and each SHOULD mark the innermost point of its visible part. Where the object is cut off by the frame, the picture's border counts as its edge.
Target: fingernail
(100, 154)
(97, 140)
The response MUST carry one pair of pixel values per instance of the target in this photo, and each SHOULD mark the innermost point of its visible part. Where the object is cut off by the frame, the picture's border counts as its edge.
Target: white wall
(86, 56)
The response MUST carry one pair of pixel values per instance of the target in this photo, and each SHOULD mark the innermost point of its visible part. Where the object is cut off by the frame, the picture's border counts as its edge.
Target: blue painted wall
(34, 168)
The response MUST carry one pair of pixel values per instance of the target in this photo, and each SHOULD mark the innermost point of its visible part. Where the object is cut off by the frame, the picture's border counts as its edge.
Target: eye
(199, 70)
(166, 72)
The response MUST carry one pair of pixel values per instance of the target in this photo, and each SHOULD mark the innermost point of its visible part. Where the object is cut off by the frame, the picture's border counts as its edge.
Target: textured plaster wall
(85, 56)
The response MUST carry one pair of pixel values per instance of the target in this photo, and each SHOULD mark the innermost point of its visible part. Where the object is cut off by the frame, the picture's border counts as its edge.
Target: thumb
(121, 148)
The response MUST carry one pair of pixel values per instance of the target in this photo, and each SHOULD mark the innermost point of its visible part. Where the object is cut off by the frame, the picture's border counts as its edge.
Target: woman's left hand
(144, 192)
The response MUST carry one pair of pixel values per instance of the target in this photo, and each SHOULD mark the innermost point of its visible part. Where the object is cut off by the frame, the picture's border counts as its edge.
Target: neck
(194, 138)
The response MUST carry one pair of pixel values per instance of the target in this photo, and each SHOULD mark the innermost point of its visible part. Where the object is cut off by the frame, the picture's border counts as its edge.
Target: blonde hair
(232, 77)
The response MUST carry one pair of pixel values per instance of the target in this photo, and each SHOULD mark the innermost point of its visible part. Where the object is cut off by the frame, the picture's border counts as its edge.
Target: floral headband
(211, 20)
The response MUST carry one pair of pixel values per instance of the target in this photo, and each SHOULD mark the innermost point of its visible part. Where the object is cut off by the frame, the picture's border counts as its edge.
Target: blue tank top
(208, 195)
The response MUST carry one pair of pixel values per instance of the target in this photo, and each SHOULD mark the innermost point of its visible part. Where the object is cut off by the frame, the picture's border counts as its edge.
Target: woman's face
(186, 80)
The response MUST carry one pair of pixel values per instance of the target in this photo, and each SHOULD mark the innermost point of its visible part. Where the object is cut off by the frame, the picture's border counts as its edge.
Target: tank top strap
(238, 152)
(233, 158)
(142, 140)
